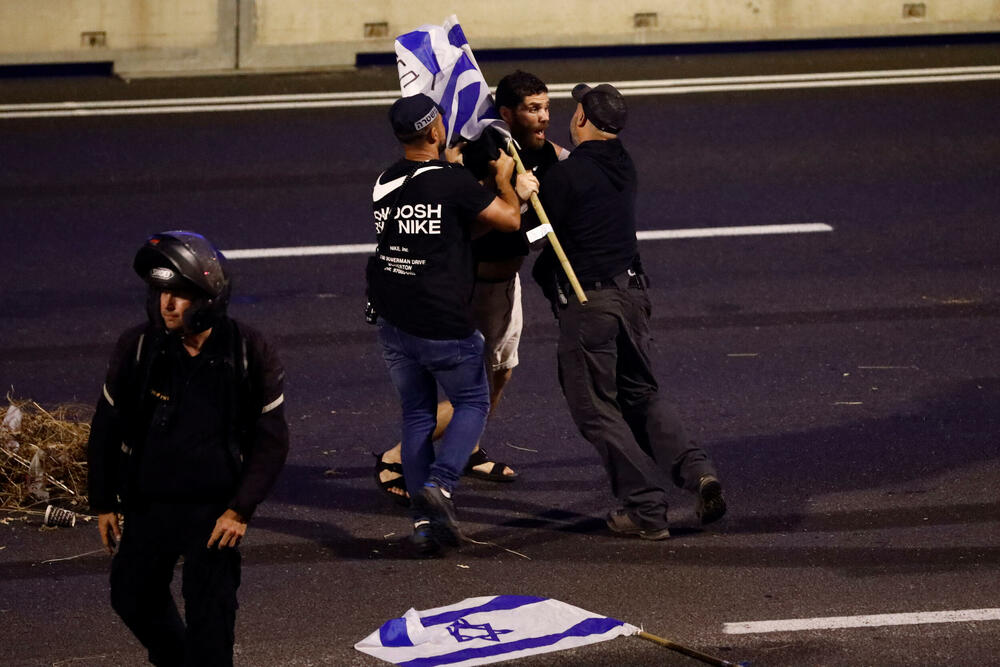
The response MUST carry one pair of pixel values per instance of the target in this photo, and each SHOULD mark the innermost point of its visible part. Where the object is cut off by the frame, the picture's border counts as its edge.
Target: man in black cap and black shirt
(604, 365)
(420, 282)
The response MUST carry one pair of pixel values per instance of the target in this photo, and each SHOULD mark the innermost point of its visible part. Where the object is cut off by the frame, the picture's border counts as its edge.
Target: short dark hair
(414, 137)
(514, 87)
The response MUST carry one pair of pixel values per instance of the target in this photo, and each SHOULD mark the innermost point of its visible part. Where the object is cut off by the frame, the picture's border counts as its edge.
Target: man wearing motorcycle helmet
(188, 438)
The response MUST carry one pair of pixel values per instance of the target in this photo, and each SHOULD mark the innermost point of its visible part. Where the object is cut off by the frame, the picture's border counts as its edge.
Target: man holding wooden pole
(603, 352)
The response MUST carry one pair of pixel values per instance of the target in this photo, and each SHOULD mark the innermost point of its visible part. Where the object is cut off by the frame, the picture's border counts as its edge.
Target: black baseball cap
(409, 115)
(603, 105)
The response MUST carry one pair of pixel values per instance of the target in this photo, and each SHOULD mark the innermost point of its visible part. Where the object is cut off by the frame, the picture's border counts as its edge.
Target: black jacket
(174, 428)
(590, 200)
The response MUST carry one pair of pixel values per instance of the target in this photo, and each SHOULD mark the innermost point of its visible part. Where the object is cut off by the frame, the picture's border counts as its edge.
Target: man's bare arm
(504, 212)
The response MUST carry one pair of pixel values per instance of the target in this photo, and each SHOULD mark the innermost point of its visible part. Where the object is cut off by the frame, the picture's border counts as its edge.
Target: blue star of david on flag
(487, 631)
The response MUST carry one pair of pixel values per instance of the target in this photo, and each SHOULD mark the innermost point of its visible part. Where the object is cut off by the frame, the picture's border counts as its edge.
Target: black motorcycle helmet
(185, 262)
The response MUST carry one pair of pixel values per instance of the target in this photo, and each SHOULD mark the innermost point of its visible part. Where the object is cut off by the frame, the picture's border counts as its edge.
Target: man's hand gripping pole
(544, 219)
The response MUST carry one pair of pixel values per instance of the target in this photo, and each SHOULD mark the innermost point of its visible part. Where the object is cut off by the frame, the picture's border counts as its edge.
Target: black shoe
(711, 504)
(441, 511)
(619, 521)
(423, 541)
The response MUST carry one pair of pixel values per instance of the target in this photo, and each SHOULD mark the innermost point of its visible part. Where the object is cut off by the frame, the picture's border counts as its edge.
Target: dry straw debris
(43, 455)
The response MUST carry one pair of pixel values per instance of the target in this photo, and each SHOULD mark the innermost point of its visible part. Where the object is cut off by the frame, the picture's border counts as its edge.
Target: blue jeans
(416, 366)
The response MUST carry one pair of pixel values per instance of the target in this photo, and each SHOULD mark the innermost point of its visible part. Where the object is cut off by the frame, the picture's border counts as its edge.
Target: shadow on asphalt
(899, 453)
(902, 453)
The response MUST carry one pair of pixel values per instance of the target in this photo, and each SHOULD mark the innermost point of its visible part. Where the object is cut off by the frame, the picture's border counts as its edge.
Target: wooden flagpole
(690, 652)
(544, 219)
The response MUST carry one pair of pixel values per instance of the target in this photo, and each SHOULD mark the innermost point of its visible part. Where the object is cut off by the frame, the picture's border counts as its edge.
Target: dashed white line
(650, 235)
(869, 621)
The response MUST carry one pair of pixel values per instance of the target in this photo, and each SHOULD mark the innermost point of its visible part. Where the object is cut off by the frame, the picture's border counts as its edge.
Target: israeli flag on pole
(436, 60)
(479, 631)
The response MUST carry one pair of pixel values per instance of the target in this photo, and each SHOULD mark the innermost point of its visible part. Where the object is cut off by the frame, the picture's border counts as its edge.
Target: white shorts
(496, 308)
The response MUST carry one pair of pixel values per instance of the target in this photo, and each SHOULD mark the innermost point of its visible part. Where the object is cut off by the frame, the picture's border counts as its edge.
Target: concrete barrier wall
(137, 35)
(200, 35)
(283, 33)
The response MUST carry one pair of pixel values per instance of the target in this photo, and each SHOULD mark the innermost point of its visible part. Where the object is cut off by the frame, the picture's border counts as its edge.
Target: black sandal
(403, 500)
(494, 474)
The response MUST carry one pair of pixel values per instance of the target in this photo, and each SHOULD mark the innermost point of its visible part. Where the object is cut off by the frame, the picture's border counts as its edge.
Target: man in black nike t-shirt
(522, 101)
(420, 280)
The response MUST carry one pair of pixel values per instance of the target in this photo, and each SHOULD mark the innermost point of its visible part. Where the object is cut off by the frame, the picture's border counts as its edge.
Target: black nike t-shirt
(421, 276)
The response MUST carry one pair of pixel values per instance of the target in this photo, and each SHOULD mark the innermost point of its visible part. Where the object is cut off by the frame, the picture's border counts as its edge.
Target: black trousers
(154, 538)
(608, 382)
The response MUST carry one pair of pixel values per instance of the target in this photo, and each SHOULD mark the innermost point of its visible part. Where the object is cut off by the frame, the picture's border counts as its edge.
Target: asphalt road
(846, 382)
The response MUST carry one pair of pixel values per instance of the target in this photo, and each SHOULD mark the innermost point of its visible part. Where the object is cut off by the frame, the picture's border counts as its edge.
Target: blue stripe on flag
(456, 37)
(393, 633)
(499, 603)
(591, 626)
(489, 114)
(462, 65)
(419, 44)
(468, 100)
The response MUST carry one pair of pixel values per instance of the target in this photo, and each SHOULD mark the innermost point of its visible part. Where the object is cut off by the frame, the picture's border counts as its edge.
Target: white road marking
(751, 230)
(652, 235)
(870, 621)
(805, 80)
(301, 251)
(558, 90)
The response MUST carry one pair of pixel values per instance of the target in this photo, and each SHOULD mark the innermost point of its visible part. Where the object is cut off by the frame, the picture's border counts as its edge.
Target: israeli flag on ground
(436, 60)
(478, 631)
